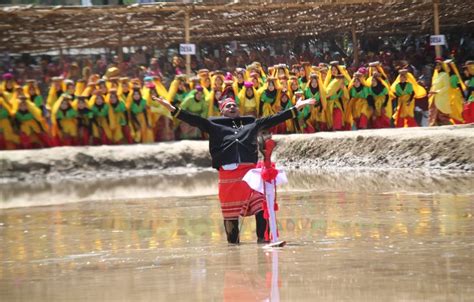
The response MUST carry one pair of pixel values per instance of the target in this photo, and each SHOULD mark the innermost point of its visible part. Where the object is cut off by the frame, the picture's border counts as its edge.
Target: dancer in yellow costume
(80, 87)
(256, 80)
(249, 100)
(406, 90)
(213, 100)
(377, 67)
(337, 96)
(303, 119)
(7, 86)
(193, 82)
(303, 75)
(458, 88)
(118, 119)
(217, 81)
(8, 139)
(177, 90)
(293, 85)
(338, 91)
(90, 88)
(161, 119)
(84, 120)
(323, 70)
(32, 127)
(204, 80)
(316, 90)
(33, 93)
(337, 69)
(238, 84)
(58, 87)
(102, 86)
(268, 95)
(382, 99)
(440, 95)
(139, 117)
(124, 88)
(64, 122)
(281, 70)
(284, 101)
(196, 104)
(101, 132)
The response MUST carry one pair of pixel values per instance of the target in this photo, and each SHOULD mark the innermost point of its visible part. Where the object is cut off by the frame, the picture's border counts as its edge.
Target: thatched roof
(40, 28)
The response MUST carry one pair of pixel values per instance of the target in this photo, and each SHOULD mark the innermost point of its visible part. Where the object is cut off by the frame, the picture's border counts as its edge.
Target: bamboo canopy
(31, 28)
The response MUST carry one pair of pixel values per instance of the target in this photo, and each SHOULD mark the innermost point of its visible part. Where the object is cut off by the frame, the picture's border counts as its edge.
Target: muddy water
(353, 236)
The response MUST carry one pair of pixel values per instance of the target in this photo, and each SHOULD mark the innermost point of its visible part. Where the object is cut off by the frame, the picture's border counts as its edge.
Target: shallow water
(62, 191)
(352, 236)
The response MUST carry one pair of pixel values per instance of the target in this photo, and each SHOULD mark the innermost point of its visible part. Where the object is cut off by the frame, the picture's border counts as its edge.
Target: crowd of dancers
(111, 109)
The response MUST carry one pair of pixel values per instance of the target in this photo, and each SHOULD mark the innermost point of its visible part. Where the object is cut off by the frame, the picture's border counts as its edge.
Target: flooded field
(352, 236)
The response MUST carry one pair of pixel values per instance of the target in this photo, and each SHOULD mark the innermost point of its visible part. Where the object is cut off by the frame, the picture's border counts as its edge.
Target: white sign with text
(437, 40)
(187, 49)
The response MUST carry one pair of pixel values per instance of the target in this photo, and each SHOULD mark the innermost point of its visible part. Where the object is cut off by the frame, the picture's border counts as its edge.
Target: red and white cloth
(236, 197)
(264, 180)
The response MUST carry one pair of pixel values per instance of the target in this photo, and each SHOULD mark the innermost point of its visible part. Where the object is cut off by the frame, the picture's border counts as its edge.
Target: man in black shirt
(233, 148)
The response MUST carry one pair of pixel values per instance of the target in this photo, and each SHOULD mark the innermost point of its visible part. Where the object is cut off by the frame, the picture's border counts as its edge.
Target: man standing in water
(233, 148)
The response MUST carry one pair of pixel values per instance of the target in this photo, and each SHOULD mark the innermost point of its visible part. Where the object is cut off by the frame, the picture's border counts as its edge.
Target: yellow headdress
(377, 67)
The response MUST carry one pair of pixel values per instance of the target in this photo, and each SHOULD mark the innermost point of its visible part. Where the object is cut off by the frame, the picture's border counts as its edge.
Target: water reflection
(382, 181)
(274, 275)
(20, 194)
(342, 246)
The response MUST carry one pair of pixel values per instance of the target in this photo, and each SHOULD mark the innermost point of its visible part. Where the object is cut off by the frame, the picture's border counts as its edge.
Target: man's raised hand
(301, 103)
(163, 102)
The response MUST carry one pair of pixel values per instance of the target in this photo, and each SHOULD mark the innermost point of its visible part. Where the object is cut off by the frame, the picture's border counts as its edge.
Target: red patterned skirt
(236, 197)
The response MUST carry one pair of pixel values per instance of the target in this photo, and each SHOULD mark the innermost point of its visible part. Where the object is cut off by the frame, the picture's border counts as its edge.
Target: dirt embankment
(104, 161)
(441, 148)
(437, 148)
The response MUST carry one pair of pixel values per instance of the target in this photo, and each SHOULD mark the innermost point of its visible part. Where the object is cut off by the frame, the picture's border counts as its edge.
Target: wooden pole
(187, 39)
(61, 54)
(355, 46)
(120, 47)
(436, 25)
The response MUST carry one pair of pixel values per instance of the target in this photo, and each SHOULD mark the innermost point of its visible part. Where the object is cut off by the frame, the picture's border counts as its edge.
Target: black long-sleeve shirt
(233, 140)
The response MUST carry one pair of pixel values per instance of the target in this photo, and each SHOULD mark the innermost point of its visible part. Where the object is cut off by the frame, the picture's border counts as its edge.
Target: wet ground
(352, 236)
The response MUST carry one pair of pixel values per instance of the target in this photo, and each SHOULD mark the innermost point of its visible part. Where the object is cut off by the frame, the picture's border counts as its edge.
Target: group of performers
(119, 110)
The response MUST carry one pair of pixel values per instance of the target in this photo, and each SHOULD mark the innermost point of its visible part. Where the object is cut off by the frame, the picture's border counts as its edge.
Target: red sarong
(236, 197)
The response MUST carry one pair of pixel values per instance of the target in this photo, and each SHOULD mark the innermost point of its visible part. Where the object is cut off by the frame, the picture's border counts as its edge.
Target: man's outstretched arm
(192, 119)
(273, 120)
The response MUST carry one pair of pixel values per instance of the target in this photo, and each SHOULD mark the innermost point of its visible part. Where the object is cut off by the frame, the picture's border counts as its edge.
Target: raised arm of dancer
(192, 119)
(272, 120)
